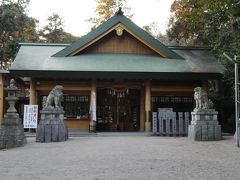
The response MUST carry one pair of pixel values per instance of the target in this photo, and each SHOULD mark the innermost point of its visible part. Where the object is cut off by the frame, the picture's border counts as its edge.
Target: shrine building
(115, 76)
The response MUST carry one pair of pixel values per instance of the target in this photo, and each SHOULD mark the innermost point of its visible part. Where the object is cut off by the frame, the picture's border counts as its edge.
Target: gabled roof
(119, 20)
(70, 60)
(36, 60)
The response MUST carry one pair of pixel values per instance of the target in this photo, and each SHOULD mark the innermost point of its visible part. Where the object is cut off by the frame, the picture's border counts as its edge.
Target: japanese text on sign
(30, 116)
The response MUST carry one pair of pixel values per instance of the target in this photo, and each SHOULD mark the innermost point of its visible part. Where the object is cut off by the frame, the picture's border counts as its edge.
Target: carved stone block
(51, 127)
(204, 125)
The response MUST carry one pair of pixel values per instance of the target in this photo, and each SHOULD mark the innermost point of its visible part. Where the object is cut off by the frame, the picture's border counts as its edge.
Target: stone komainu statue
(55, 97)
(201, 99)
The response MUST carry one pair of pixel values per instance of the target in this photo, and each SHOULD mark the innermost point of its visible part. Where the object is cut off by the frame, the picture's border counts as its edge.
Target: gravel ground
(122, 157)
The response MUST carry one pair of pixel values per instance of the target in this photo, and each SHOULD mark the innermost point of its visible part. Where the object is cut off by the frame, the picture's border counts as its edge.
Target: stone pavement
(122, 156)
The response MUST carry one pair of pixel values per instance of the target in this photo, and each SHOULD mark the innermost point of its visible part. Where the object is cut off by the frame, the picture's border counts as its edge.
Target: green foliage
(15, 26)
(151, 28)
(214, 23)
(106, 9)
(53, 32)
(200, 22)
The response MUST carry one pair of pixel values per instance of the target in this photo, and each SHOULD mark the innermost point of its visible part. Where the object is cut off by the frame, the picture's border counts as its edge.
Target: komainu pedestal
(51, 127)
(11, 131)
(204, 125)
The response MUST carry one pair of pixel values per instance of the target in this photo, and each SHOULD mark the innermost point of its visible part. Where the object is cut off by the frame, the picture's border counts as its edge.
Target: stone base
(52, 127)
(200, 132)
(12, 136)
(237, 136)
(52, 130)
(204, 126)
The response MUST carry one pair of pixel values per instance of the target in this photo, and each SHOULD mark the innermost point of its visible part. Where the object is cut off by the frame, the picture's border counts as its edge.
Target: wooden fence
(170, 123)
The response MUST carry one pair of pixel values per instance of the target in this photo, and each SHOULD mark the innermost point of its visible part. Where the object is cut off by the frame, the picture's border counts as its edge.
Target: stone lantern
(12, 131)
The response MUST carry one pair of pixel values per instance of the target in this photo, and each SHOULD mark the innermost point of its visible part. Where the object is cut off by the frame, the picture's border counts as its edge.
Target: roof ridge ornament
(119, 12)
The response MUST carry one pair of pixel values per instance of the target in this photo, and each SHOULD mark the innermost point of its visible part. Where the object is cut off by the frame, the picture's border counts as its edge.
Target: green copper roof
(39, 58)
(36, 60)
(118, 18)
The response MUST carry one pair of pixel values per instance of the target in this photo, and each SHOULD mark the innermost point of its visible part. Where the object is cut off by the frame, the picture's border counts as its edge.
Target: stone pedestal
(204, 125)
(12, 132)
(237, 135)
(52, 127)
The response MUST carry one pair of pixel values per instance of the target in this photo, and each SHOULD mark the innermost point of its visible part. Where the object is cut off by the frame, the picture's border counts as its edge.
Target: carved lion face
(59, 87)
(197, 89)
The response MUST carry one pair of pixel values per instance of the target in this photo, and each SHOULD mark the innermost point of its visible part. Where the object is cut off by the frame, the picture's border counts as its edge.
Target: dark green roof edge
(118, 18)
(42, 44)
(189, 47)
(120, 75)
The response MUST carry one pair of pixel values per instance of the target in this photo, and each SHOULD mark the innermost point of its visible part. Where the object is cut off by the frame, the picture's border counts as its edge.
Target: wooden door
(118, 113)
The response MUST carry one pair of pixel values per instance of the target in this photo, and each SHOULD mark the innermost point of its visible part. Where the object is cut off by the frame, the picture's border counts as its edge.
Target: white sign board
(94, 107)
(30, 116)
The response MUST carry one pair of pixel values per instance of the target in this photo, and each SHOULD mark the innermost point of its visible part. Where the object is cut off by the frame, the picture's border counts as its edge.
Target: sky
(75, 13)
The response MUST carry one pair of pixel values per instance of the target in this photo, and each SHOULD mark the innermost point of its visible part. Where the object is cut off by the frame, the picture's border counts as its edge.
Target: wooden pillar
(148, 105)
(142, 110)
(33, 93)
(1, 97)
(93, 103)
(205, 86)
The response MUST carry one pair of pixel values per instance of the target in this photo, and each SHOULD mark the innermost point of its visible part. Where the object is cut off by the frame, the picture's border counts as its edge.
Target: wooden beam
(148, 101)
(142, 110)
(33, 93)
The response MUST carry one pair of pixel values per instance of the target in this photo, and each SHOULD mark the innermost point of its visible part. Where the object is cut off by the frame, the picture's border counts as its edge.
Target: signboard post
(154, 123)
(180, 121)
(187, 119)
(174, 123)
(30, 116)
(168, 119)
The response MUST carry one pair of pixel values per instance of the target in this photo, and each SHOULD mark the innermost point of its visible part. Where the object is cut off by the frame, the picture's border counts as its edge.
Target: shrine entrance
(118, 109)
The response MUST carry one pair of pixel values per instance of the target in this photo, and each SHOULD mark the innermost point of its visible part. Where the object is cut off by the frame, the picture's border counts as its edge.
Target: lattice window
(76, 106)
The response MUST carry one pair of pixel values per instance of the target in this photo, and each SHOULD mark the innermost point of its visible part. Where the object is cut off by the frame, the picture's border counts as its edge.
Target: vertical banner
(154, 123)
(187, 116)
(180, 120)
(174, 123)
(30, 116)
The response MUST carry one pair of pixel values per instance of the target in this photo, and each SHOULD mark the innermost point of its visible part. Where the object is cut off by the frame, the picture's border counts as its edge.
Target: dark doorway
(118, 110)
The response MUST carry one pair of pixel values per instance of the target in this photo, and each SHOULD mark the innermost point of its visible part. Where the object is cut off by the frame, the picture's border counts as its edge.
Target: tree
(151, 28)
(53, 32)
(106, 9)
(15, 26)
(201, 22)
(214, 23)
